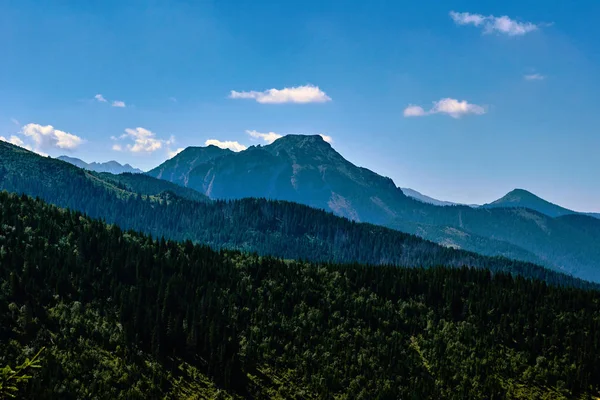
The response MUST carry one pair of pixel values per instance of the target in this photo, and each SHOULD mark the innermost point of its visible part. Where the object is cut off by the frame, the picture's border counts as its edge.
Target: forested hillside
(122, 315)
(277, 228)
(148, 186)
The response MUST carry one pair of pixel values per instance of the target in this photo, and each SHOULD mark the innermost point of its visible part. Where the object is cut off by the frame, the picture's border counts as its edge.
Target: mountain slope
(146, 185)
(112, 167)
(567, 247)
(282, 229)
(123, 316)
(177, 169)
(307, 170)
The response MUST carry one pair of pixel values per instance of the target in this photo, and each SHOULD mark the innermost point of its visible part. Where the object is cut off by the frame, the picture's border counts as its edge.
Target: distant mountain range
(307, 170)
(276, 228)
(111, 166)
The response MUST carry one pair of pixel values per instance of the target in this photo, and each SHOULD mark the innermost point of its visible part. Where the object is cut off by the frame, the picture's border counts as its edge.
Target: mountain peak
(517, 195)
(525, 199)
(178, 167)
(304, 147)
(520, 191)
(299, 140)
(300, 136)
(199, 149)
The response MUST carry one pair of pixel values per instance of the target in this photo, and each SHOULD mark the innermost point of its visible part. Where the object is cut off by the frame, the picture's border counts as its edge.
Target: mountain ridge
(307, 170)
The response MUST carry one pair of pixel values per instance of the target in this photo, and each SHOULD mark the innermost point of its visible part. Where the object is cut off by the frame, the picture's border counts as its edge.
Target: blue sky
(439, 102)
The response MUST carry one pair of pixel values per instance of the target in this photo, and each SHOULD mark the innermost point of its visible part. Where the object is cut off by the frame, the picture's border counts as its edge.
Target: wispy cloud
(115, 103)
(448, 106)
(16, 141)
(269, 137)
(491, 24)
(144, 141)
(300, 94)
(173, 153)
(534, 77)
(228, 144)
(414, 111)
(15, 121)
(173, 99)
(326, 138)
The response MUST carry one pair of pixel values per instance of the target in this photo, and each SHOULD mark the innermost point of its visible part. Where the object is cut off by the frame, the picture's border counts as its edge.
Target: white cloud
(118, 103)
(228, 144)
(467, 18)
(47, 137)
(451, 107)
(173, 153)
(100, 98)
(414, 111)
(534, 77)
(456, 108)
(15, 121)
(299, 94)
(16, 141)
(144, 141)
(492, 24)
(326, 138)
(269, 137)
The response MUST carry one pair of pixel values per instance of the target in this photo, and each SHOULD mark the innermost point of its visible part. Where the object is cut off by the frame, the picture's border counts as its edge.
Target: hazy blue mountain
(110, 166)
(306, 169)
(430, 200)
(525, 199)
